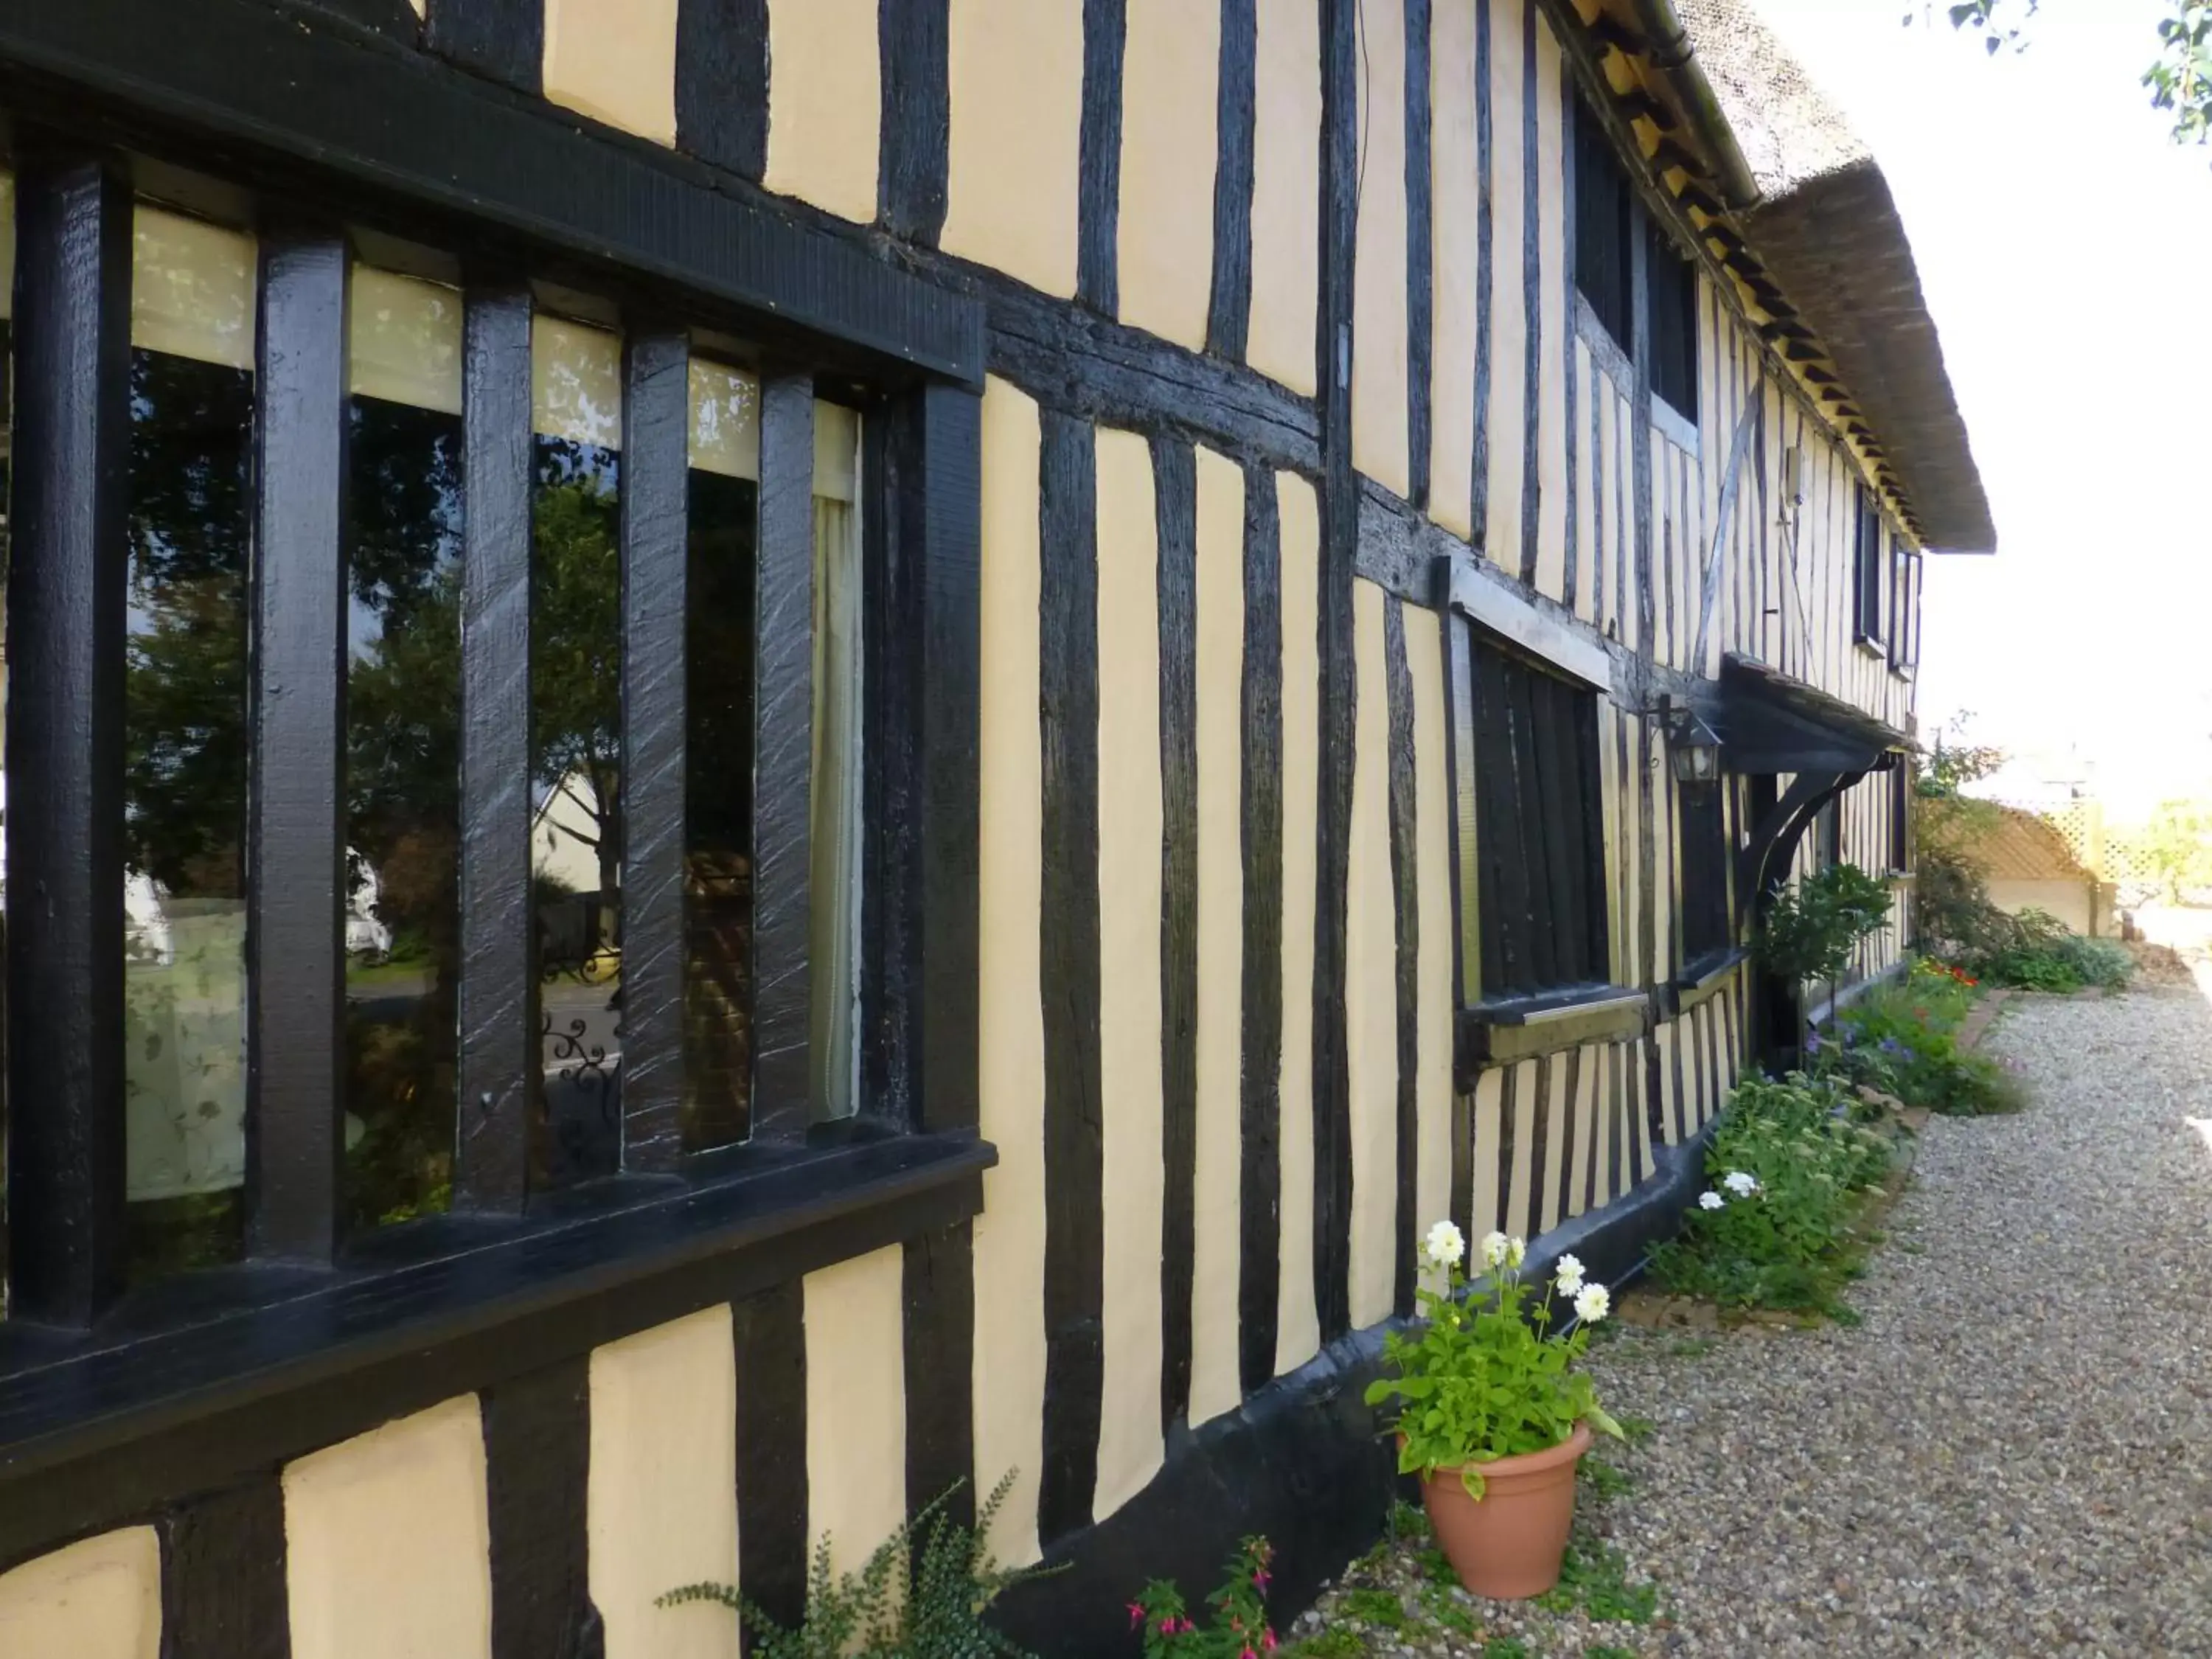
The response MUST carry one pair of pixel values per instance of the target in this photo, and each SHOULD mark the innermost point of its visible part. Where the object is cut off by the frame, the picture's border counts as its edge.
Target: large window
(1905, 566)
(1540, 830)
(468, 744)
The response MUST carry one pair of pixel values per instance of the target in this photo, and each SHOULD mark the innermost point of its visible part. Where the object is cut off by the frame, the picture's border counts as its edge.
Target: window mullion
(498, 1001)
(783, 767)
(296, 888)
(656, 417)
(66, 619)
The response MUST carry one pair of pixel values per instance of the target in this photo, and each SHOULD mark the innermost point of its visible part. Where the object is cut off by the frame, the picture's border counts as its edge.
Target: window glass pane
(835, 878)
(575, 711)
(718, 810)
(403, 810)
(185, 811)
(7, 511)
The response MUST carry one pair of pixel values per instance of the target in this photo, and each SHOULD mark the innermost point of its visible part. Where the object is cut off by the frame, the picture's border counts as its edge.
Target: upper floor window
(1905, 567)
(1672, 282)
(1540, 827)
(1606, 227)
(1866, 596)
(1603, 227)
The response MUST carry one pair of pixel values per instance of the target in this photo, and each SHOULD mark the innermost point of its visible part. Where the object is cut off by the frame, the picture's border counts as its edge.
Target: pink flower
(1188, 1626)
(1260, 1579)
(1136, 1614)
(1167, 1626)
(1267, 1640)
(1248, 1654)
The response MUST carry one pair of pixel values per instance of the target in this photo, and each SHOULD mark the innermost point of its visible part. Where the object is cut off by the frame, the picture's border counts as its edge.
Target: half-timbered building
(764, 753)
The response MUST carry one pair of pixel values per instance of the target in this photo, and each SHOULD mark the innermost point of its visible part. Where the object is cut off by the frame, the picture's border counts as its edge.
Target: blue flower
(1892, 1046)
(1812, 1043)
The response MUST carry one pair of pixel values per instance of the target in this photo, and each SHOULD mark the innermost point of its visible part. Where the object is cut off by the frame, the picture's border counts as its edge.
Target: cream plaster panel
(1487, 1109)
(1371, 978)
(387, 1542)
(1508, 321)
(1589, 1092)
(1455, 189)
(1433, 1103)
(1286, 193)
(1129, 830)
(856, 1404)
(1171, 66)
(1009, 1234)
(615, 61)
(1215, 1261)
(1297, 1321)
(1551, 310)
(1016, 94)
(662, 1509)
(824, 104)
(1379, 434)
(1527, 1103)
(1557, 1107)
(98, 1599)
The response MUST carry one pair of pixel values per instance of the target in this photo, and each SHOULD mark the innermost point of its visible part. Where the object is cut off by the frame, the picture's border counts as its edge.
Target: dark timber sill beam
(95, 1430)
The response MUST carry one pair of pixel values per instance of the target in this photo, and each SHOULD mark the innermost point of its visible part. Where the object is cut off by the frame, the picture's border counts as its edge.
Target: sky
(2065, 247)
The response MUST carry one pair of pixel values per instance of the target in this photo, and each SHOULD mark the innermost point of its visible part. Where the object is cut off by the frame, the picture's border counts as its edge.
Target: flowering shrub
(1237, 1614)
(1903, 1041)
(1787, 1163)
(1484, 1376)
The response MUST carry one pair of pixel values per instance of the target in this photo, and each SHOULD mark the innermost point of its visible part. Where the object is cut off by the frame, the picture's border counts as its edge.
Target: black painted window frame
(78, 1354)
(1671, 323)
(1867, 620)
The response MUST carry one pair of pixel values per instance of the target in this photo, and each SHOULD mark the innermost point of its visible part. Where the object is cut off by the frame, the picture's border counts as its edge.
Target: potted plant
(1491, 1414)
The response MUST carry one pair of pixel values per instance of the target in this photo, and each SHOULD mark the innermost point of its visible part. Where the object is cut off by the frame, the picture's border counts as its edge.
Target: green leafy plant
(1374, 1606)
(1813, 928)
(1484, 1375)
(1338, 1643)
(1789, 1161)
(1236, 1624)
(1903, 1041)
(899, 1605)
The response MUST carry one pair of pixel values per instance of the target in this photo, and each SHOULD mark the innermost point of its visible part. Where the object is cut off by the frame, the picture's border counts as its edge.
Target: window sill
(1496, 1033)
(1700, 980)
(1680, 429)
(194, 1381)
(1873, 648)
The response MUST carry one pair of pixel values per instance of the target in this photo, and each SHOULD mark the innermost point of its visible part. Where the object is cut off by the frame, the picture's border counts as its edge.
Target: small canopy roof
(1768, 722)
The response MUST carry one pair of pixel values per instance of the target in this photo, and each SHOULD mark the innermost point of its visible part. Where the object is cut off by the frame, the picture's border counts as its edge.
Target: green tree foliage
(2174, 848)
(575, 670)
(1815, 926)
(2179, 78)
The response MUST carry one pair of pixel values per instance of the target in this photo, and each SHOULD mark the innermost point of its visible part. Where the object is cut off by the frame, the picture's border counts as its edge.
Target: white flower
(1742, 1185)
(1569, 1274)
(1445, 1246)
(1709, 1199)
(1515, 1250)
(1592, 1304)
(1494, 1248)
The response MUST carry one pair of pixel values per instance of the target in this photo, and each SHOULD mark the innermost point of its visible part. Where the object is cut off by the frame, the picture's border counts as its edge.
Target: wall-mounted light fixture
(1694, 746)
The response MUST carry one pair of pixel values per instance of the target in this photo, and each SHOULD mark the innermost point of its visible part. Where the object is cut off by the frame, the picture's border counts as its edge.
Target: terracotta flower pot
(1508, 1544)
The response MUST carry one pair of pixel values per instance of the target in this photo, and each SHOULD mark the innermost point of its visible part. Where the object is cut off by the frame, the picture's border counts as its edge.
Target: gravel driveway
(2012, 1454)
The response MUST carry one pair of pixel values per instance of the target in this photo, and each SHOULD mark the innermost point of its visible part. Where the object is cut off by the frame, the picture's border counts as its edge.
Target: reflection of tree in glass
(575, 685)
(403, 802)
(184, 754)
